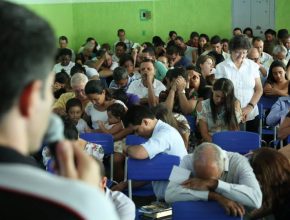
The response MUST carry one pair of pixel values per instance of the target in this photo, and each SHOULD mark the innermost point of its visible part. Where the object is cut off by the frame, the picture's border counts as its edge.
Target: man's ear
(144, 120)
(28, 97)
(103, 182)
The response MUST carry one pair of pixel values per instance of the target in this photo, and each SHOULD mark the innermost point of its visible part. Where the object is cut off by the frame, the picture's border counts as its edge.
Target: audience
(220, 99)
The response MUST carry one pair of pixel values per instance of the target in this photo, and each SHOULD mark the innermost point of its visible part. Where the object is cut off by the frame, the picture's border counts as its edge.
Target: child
(114, 125)
(74, 110)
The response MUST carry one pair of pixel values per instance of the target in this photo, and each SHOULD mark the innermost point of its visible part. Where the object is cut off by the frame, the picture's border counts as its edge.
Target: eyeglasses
(255, 59)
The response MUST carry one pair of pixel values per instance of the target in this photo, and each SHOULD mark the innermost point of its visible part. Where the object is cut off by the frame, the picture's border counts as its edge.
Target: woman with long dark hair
(272, 170)
(221, 112)
(277, 82)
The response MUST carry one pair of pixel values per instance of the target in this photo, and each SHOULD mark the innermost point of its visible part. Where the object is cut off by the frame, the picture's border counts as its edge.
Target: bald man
(225, 177)
(254, 54)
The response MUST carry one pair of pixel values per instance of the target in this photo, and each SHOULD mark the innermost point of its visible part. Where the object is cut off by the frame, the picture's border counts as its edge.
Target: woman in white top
(100, 100)
(244, 74)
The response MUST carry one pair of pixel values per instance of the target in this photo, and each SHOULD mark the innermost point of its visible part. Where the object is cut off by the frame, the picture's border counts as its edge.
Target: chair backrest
(237, 141)
(133, 139)
(191, 121)
(106, 140)
(208, 210)
(267, 102)
(156, 169)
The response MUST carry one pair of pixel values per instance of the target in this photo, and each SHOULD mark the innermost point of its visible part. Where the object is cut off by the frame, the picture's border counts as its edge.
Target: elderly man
(226, 177)
(78, 83)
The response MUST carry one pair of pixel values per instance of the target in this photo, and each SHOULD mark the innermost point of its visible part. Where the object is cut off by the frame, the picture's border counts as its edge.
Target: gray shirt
(237, 183)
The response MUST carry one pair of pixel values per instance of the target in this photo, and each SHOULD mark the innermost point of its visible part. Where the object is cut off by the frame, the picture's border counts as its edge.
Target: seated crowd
(148, 89)
(151, 89)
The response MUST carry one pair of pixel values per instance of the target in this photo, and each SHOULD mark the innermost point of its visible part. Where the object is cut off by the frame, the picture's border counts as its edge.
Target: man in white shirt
(147, 88)
(65, 63)
(162, 139)
(122, 38)
(215, 174)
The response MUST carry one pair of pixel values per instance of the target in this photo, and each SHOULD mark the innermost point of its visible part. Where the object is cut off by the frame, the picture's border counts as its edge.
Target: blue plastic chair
(133, 139)
(201, 210)
(191, 121)
(265, 104)
(106, 141)
(237, 141)
(155, 169)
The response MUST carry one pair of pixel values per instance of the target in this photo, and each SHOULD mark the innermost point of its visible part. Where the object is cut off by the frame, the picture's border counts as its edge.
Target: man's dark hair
(282, 33)
(62, 77)
(270, 31)
(77, 68)
(173, 50)
(64, 52)
(120, 73)
(136, 114)
(124, 58)
(118, 110)
(28, 48)
(179, 38)
(63, 38)
(237, 29)
(171, 33)
(94, 87)
(224, 40)
(239, 42)
(121, 44)
(194, 34)
(73, 102)
(175, 73)
(215, 39)
(157, 41)
(149, 50)
(121, 30)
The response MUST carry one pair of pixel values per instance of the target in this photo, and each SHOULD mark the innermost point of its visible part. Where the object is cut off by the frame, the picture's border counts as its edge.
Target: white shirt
(81, 125)
(84, 199)
(266, 60)
(125, 207)
(58, 67)
(237, 182)
(97, 115)
(164, 139)
(137, 88)
(243, 80)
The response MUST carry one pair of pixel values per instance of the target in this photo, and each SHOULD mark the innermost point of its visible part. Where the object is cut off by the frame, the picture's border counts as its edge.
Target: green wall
(101, 20)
